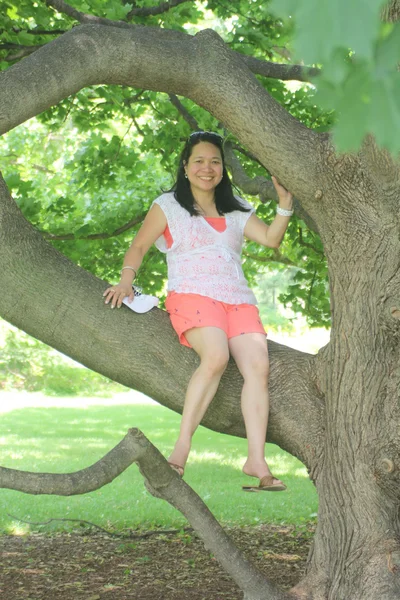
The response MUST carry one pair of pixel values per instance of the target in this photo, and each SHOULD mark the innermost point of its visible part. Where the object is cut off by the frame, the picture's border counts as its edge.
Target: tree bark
(356, 552)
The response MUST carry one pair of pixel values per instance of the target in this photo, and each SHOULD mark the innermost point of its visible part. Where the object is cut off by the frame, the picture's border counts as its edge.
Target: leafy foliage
(359, 79)
(86, 171)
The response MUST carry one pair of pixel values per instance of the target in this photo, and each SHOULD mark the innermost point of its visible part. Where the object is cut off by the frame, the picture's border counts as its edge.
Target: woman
(200, 225)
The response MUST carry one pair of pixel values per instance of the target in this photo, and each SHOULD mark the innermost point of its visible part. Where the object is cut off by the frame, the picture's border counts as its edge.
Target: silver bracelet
(283, 212)
(131, 268)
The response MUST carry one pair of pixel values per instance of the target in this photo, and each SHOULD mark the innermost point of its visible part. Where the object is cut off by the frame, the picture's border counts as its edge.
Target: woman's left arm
(271, 235)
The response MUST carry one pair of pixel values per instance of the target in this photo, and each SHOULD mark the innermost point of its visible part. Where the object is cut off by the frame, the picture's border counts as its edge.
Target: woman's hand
(285, 197)
(116, 293)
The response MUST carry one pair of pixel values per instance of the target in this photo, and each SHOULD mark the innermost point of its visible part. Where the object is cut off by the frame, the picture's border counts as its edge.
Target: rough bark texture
(357, 551)
(339, 411)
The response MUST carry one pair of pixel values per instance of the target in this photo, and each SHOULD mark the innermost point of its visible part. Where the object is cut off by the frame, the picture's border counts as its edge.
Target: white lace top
(201, 259)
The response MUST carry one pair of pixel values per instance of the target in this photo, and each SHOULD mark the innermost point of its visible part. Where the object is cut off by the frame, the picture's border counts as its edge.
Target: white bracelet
(283, 212)
(131, 268)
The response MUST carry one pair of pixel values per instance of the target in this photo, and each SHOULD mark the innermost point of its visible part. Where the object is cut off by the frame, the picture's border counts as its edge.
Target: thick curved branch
(81, 482)
(163, 483)
(256, 65)
(49, 297)
(202, 68)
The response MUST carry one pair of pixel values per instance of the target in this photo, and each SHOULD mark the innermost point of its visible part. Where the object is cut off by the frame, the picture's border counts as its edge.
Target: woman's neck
(205, 202)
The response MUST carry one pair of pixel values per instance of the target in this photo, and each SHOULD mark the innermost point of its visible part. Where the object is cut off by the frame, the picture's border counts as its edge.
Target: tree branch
(19, 51)
(66, 9)
(37, 31)
(87, 480)
(162, 482)
(183, 112)
(284, 72)
(95, 236)
(155, 10)
(258, 66)
(205, 70)
(276, 257)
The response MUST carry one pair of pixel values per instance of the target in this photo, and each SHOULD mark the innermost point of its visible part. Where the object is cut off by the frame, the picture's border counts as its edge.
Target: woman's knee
(215, 361)
(257, 365)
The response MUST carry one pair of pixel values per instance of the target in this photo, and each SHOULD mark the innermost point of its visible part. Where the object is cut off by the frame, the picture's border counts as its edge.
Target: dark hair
(225, 201)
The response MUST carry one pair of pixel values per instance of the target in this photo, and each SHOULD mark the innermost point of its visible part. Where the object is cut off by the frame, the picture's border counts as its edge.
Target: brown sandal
(266, 485)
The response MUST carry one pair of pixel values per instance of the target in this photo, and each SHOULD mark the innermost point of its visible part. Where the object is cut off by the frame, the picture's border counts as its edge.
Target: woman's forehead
(206, 149)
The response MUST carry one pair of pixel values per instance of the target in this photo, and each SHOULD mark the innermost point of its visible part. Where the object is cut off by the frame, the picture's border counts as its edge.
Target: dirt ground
(144, 566)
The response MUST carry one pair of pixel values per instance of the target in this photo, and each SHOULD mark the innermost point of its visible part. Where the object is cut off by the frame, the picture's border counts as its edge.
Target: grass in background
(69, 439)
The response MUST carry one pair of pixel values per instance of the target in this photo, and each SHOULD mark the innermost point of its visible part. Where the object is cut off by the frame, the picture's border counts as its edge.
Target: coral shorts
(192, 310)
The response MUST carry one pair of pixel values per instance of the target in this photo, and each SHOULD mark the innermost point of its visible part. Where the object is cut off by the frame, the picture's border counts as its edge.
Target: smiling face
(204, 168)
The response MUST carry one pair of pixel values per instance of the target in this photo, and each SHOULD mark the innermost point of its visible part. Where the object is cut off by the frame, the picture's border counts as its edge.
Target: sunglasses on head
(211, 133)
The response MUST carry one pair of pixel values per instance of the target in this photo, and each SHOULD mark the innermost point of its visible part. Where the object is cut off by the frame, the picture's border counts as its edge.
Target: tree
(338, 411)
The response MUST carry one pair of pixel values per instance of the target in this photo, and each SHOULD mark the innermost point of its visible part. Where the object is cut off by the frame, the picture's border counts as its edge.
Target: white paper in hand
(141, 303)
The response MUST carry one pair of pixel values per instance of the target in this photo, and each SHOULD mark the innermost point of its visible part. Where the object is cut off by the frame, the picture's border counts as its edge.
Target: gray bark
(356, 552)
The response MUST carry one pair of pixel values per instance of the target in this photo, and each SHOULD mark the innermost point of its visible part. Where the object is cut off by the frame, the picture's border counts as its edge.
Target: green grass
(68, 439)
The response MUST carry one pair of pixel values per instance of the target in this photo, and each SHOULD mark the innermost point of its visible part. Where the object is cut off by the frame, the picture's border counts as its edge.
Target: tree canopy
(85, 171)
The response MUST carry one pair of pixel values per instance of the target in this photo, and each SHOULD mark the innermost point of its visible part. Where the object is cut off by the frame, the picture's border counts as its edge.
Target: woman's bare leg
(250, 352)
(211, 344)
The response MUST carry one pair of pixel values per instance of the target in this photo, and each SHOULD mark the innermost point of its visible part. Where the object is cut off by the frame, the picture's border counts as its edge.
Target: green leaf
(323, 26)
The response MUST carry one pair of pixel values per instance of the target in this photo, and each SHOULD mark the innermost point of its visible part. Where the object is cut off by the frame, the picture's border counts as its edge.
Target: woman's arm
(153, 226)
(270, 235)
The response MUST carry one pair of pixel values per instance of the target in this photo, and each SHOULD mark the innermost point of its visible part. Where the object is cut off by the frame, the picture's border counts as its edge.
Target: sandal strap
(267, 481)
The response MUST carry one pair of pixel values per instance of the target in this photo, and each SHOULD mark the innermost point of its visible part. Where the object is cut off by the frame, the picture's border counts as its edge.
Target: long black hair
(225, 201)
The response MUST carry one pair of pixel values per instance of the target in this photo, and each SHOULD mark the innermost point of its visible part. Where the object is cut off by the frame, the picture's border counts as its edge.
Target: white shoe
(141, 303)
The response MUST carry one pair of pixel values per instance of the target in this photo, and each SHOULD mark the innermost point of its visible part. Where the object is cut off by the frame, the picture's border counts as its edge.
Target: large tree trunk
(356, 552)
(338, 412)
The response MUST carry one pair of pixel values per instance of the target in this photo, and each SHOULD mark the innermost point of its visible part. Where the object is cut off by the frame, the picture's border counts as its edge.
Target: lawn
(77, 433)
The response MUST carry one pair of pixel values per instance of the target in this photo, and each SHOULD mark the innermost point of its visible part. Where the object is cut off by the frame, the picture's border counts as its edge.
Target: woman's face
(204, 168)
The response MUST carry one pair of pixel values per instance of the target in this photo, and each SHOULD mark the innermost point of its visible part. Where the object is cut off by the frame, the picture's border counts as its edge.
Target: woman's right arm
(152, 228)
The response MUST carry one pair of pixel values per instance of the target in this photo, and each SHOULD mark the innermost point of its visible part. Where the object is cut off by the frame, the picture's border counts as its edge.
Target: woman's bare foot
(179, 456)
(260, 470)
